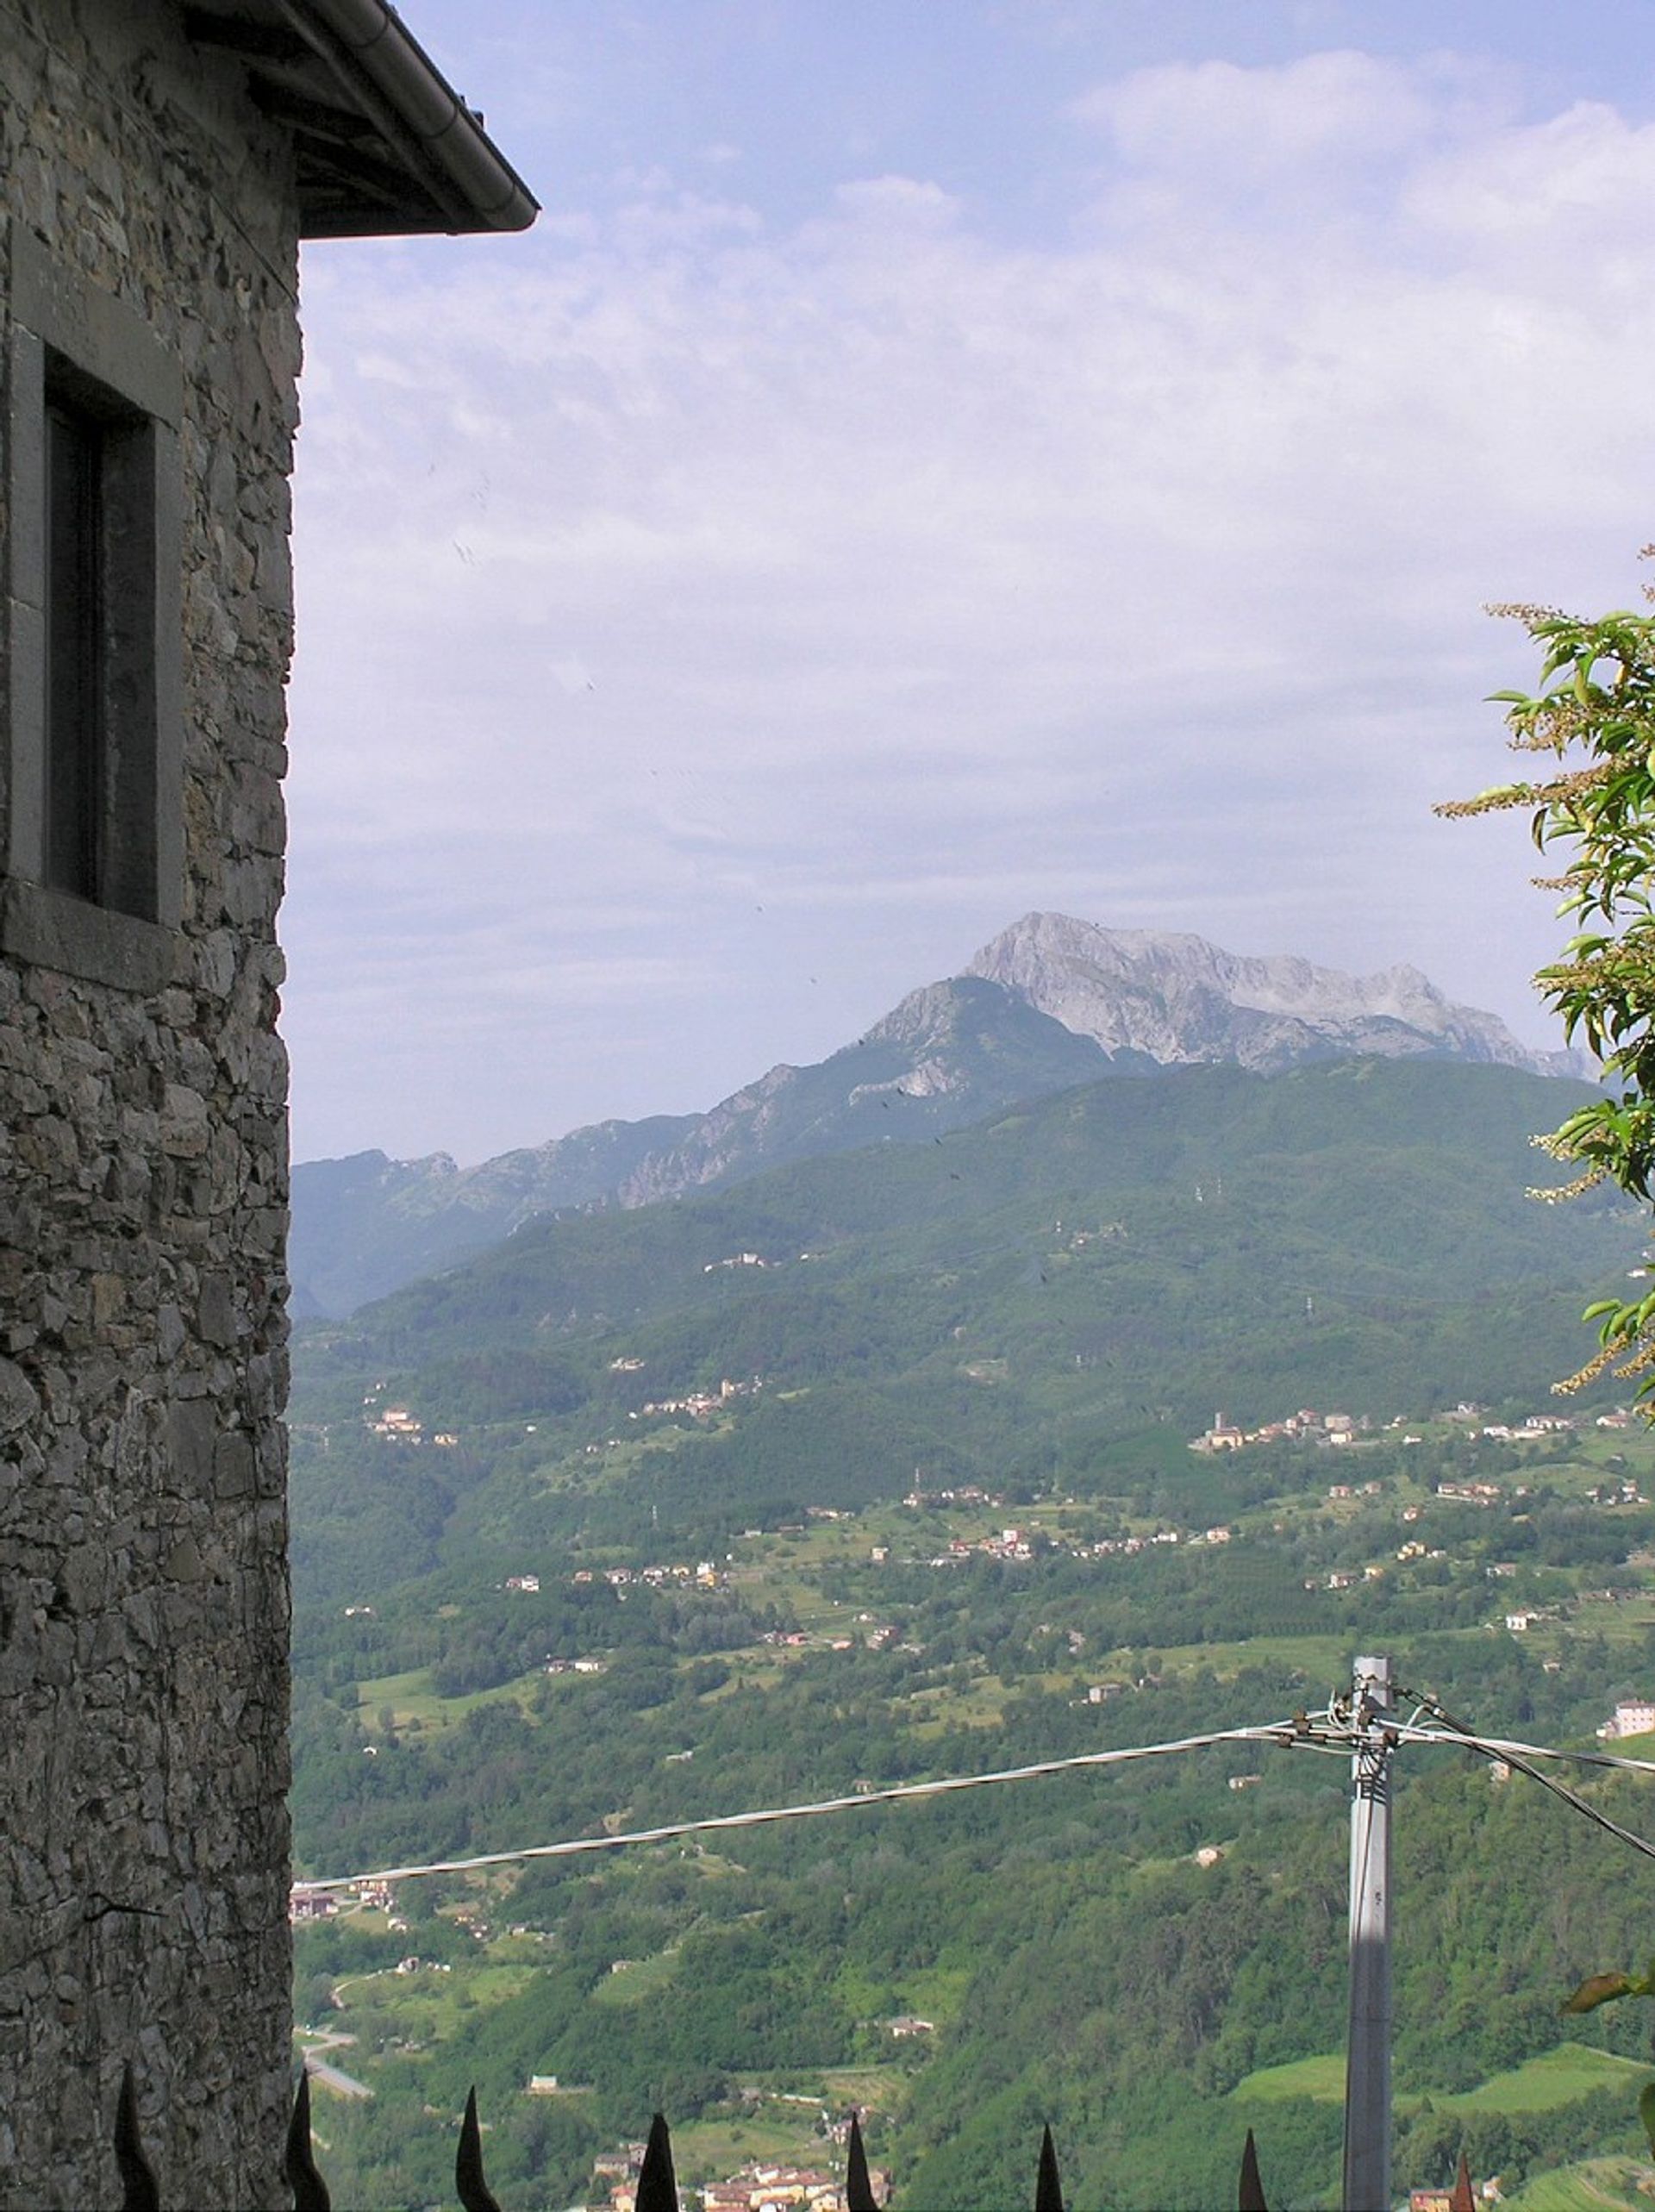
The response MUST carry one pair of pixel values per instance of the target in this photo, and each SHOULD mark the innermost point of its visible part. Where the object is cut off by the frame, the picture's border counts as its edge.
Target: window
(75, 840)
(92, 759)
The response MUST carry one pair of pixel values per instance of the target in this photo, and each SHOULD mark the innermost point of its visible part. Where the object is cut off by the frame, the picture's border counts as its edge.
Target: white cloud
(1332, 111)
(899, 201)
(1579, 183)
(661, 567)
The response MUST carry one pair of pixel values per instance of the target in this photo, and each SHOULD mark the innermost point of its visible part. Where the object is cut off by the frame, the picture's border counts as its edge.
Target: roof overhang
(383, 144)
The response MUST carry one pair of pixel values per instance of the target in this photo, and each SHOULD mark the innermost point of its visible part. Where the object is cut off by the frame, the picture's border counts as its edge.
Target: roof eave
(382, 68)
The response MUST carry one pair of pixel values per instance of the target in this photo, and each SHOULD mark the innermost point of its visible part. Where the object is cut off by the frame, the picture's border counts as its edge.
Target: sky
(931, 461)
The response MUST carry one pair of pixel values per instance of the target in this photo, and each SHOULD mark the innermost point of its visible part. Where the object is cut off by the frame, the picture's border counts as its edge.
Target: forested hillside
(989, 1306)
(619, 1526)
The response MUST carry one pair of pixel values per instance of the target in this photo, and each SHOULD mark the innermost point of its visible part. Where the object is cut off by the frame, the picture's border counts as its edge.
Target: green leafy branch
(1595, 713)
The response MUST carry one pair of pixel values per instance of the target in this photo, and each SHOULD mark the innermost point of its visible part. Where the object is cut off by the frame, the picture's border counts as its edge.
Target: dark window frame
(90, 768)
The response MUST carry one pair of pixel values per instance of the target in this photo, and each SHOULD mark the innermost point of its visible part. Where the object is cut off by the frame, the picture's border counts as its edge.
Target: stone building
(160, 163)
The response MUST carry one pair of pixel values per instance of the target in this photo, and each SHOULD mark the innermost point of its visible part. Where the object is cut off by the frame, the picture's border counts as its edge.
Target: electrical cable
(1521, 1756)
(1298, 1731)
(1336, 1730)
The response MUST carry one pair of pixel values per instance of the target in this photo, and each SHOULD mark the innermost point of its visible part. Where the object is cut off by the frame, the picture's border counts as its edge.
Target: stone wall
(143, 1592)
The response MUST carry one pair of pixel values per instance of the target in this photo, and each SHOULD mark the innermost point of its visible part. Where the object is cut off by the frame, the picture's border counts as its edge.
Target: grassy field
(784, 2126)
(1319, 1658)
(637, 1980)
(705, 2150)
(1558, 2077)
(428, 2006)
(1624, 1622)
(877, 2088)
(1321, 2078)
(410, 1697)
(1594, 2186)
(933, 1711)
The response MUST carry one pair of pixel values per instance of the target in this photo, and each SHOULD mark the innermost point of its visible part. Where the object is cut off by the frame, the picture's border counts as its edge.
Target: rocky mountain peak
(1052, 1003)
(1179, 999)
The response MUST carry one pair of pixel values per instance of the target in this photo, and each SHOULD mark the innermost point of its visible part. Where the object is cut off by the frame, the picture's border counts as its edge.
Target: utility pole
(1367, 2050)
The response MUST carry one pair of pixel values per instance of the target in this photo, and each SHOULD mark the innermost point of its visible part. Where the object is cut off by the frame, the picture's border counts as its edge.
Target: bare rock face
(1180, 1000)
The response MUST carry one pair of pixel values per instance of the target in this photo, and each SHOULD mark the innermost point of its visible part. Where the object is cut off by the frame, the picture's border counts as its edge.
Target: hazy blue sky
(933, 460)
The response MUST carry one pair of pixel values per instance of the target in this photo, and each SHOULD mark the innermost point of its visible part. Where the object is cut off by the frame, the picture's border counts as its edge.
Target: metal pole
(1367, 2050)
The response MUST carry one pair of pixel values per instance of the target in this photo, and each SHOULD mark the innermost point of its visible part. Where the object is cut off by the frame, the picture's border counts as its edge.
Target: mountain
(1352, 1234)
(1179, 999)
(951, 1053)
(948, 1054)
(875, 1466)
(365, 1224)
(1049, 1003)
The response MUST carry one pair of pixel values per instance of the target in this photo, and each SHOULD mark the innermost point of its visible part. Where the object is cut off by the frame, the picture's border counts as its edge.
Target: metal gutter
(390, 74)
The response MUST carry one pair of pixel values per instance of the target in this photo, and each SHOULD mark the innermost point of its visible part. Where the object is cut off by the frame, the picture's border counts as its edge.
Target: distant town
(1340, 1429)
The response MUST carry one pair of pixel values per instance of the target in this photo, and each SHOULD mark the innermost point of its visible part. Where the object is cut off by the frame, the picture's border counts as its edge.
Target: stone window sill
(50, 929)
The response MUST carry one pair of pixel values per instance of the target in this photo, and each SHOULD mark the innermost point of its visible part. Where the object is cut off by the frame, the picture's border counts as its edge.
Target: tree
(1595, 714)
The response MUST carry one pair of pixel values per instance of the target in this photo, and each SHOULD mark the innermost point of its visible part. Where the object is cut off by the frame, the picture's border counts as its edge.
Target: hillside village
(730, 1535)
(905, 1602)
(1340, 1429)
(1020, 1542)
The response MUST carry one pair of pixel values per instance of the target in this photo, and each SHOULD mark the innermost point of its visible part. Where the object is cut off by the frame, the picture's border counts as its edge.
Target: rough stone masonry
(143, 1591)
(159, 165)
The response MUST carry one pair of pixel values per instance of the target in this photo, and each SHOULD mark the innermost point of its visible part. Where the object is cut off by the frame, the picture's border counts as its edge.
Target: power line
(1522, 1756)
(1361, 1724)
(1511, 1748)
(1300, 1730)
(1334, 1730)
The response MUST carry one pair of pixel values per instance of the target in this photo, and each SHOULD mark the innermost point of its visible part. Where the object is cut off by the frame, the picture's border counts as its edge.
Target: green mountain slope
(1123, 1255)
(1035, 1313)
(948, 1054)
(1049, 1002)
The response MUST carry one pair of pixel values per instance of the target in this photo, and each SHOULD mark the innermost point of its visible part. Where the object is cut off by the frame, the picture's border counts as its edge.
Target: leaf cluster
(1595, 713)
